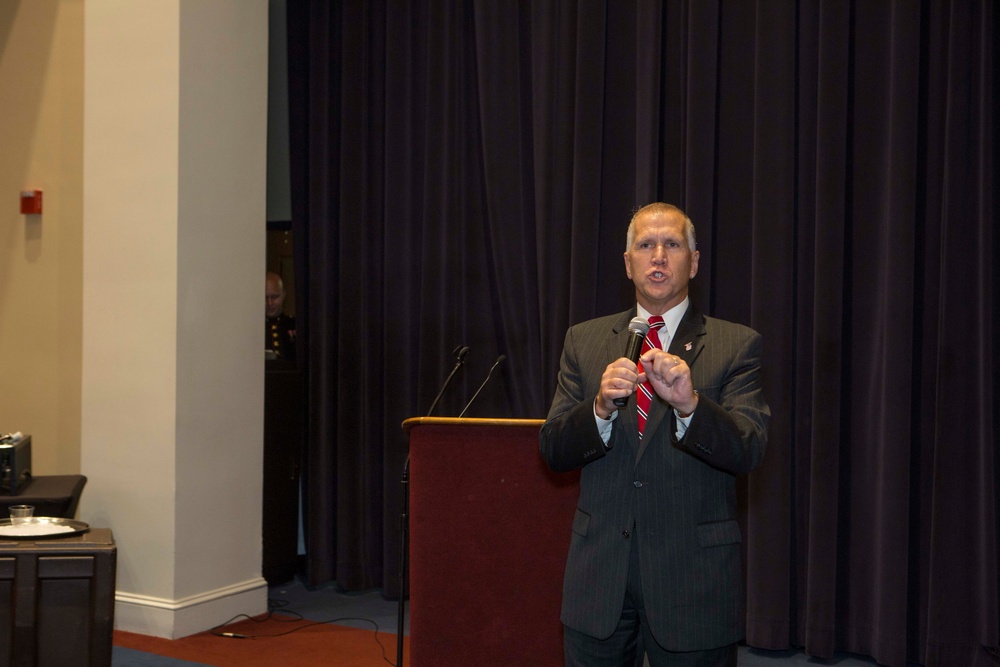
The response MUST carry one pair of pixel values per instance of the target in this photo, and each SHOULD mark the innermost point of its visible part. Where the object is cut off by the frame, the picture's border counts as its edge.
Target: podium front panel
(490, 529)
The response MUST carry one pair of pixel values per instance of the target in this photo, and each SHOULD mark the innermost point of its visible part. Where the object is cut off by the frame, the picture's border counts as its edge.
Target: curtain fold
(464, 172)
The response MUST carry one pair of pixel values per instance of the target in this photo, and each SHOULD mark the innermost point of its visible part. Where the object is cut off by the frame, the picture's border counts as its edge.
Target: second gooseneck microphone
(488, 376)
(637, 330)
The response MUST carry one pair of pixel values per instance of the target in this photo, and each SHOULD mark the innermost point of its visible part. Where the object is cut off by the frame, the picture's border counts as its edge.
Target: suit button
(637, 484)
(625, 533)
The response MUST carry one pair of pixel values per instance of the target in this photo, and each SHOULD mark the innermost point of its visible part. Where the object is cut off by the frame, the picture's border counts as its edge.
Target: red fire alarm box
(31, 202)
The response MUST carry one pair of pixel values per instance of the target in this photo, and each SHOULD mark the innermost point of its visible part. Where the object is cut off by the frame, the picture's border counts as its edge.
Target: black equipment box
(15, 465)
(57, 600)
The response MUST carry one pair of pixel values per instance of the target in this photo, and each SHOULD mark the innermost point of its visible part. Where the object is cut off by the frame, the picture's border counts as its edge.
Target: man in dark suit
(654, 558)
(279, 333)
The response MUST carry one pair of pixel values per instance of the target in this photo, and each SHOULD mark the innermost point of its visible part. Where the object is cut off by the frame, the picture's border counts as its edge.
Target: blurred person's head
(274, 293)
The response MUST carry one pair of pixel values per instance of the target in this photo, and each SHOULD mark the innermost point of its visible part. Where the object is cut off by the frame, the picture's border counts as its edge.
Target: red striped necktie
(644, 398)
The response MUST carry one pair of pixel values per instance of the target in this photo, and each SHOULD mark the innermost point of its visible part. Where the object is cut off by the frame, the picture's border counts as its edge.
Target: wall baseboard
(173, 619)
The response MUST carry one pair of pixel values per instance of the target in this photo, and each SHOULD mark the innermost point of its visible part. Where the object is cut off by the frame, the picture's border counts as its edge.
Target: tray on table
(41, 527)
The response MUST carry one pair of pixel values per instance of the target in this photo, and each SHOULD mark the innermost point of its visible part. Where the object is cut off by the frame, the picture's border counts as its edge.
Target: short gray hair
(660, 207)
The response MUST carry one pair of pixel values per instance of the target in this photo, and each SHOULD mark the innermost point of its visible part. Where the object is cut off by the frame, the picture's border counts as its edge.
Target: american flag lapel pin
(688, 346)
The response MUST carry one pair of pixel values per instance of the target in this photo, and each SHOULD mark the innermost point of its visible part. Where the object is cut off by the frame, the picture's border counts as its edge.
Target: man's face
(275, 296)
(660, 263)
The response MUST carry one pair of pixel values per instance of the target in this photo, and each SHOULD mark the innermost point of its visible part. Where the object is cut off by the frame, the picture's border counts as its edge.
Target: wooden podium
(489, 533)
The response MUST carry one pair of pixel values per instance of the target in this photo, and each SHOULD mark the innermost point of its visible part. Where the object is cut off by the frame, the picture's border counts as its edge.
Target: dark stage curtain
(463, 173)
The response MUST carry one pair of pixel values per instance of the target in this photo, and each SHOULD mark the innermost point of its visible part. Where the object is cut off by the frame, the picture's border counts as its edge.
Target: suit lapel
(689, 339)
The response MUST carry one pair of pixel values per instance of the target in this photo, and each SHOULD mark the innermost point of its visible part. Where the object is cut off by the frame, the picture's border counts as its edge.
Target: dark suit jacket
(676, 500)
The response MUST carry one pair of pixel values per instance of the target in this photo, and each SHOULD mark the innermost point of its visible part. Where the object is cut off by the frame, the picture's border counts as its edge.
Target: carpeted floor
(278, 641)
(308, 627)
(338, 628)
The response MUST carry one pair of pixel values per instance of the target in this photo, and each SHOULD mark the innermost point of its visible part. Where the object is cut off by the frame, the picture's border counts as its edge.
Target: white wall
(223, 101)
(173, 248)
(41, 292)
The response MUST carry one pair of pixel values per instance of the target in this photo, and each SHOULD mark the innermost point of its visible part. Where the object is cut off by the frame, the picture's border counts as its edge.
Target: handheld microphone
(488, 376)
(637, 330)
(460, 353)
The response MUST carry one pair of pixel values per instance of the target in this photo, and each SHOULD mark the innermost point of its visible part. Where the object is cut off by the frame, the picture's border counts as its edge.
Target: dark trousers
(632, 639)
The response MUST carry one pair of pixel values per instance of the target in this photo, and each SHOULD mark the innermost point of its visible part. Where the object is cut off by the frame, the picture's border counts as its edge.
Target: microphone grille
(639, 326)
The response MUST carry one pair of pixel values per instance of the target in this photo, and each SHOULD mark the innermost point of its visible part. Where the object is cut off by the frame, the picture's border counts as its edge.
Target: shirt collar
(671, 319)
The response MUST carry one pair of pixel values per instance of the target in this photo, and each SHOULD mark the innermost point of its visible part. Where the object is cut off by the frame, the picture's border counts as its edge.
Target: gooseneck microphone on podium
(637, 330)
(459, 353)
(488, 376)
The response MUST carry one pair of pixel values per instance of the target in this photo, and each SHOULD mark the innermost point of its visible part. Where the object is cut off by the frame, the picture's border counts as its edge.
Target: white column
(174, 241)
